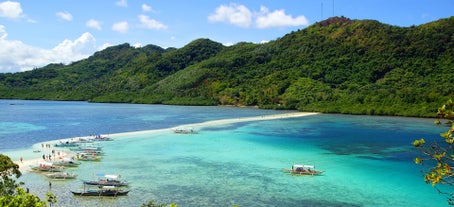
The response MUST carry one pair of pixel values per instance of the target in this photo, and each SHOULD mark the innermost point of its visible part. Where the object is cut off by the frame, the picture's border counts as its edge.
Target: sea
(367, 160)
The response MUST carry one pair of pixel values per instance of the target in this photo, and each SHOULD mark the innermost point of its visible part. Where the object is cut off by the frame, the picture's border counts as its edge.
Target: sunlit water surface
(367, 160)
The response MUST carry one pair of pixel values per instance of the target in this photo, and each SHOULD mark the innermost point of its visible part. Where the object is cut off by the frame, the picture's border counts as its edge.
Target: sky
(35, 33)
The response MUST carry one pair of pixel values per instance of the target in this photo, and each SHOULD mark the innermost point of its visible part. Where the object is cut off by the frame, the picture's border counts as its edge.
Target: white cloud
(122, 3)
(82, 45)
(278, 18)
(148, 23)
(238, 15)
(104, 46)
(94, 24)
(146, 8)
(137, 45)
(16, 56)
(121, 27)
(3, 33)
(65, 16)
(10, 10)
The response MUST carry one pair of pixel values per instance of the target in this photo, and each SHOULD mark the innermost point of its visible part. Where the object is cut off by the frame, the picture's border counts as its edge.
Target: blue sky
(34, 33)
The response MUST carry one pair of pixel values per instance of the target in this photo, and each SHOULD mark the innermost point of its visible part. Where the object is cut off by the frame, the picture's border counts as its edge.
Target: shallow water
(368, 160)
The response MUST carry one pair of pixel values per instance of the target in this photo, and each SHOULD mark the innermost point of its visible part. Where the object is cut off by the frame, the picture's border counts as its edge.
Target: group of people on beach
(45, 145)
(54, 155)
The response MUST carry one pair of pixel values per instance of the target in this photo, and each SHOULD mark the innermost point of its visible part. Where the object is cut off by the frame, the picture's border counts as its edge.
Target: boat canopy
(108, 176)
(45, 164)
(302, 166)
(112, 176)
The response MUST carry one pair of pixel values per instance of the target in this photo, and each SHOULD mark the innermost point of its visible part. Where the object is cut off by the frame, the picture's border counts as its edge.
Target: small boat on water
(61, 176)
(111, 191)
(66, 163)
(298, 170)
(108, 180)
(86, 148)
(102, 138)
(180, 130)
(67, 144)
(87, 157)
(46, 167)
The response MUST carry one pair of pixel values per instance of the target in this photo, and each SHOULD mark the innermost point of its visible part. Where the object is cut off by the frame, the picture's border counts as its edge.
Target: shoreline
(26, 162)
(219, 122)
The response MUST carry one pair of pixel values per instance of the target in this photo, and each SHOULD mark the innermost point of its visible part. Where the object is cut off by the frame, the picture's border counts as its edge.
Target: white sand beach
(25, 164)
(221, 122)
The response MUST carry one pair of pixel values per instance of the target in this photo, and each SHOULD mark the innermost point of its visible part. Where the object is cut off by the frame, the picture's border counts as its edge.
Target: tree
(21, 198)
(10, 192)
(8, 169)
(438, 157)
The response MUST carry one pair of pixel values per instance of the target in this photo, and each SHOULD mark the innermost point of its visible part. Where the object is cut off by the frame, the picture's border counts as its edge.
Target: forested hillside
(337, 65)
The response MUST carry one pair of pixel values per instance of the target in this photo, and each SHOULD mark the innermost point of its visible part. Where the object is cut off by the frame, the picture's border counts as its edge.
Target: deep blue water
(368, 160)
(23, 123)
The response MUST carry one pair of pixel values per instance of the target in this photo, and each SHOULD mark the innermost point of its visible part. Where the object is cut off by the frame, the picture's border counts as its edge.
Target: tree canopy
(10, 192)
(338, 65)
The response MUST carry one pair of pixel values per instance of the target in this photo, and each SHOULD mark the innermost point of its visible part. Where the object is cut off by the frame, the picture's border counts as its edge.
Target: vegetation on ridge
(337, 66)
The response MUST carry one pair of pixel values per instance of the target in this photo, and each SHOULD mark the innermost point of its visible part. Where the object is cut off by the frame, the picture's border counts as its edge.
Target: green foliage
(337, 65)
(10, 193)
(438, 157)
(8, 169)
(21, 199)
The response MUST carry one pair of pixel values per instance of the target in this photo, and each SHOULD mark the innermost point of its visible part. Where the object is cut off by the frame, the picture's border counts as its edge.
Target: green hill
(337, 66)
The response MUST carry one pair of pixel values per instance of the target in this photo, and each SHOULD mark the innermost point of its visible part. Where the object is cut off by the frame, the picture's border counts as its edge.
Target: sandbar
(25, 163)
(220, 122)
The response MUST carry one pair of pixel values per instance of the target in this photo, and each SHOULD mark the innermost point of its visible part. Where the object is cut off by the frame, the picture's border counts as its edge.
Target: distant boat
(67, 144)
(85, 148)
(102, 138)
(303, 170)
(46, 167)
(66, 162)
(61, 176)
(111, 191)
(87, 157)
(184, 131)
(108, 180)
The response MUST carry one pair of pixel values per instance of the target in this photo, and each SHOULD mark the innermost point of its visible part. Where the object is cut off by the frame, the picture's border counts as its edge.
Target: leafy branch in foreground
(438, 157)
(10, 192)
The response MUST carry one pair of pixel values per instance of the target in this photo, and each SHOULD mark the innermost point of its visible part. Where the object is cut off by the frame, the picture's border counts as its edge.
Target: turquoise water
(368, 160)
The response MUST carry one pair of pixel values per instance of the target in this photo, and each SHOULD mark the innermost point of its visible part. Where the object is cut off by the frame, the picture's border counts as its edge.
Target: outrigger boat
(67, 144)
(102, 138)
(302, 170)
(108, 180)
(46, 167)
(180, 130)
(66, 163)
(61, 176)
(87, 157)
(102, 191)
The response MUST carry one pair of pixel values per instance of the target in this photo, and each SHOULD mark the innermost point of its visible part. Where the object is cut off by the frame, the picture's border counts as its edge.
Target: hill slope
(338, 66)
